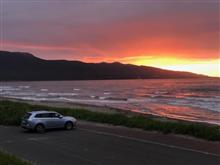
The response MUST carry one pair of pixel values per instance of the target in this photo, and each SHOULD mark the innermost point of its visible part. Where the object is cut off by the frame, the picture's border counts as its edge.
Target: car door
(56, 120)
(48, 120)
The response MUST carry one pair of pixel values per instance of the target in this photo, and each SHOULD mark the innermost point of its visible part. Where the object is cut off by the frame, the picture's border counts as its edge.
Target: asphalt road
(92, 144)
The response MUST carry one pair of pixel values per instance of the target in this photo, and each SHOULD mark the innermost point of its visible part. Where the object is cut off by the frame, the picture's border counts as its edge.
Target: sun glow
(210, 67)
(207, 69)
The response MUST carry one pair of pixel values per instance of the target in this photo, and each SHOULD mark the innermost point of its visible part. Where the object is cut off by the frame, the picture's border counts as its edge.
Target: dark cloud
(80, 29)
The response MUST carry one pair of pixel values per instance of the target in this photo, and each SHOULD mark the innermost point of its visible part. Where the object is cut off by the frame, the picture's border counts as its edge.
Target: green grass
(8, 159)
(12, 112)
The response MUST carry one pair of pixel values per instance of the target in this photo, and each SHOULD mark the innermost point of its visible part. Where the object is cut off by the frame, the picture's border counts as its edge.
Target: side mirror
(60, 117)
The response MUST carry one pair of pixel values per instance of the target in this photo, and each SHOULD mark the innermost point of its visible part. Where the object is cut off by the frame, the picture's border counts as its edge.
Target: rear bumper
(26, 126)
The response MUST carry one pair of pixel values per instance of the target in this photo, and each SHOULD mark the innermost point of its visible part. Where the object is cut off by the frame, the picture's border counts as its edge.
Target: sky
(171, 34)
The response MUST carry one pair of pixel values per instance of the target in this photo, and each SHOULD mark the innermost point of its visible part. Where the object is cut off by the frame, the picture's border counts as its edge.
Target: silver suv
(42, 120)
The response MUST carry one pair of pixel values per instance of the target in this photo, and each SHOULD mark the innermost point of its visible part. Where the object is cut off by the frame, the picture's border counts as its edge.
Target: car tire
(40, 128)
(69, 125)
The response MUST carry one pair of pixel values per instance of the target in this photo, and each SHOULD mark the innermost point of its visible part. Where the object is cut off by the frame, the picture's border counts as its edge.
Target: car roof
(42, 111)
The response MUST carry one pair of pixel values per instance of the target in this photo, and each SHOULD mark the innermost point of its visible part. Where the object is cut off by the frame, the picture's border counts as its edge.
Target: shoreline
(103, 109)
(190, 78)
(11, 112)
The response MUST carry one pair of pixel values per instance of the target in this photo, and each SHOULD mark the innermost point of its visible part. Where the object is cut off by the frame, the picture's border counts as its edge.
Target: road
(94, 144)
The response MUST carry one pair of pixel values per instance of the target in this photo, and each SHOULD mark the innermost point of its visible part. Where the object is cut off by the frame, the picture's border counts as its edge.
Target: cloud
(109, 30)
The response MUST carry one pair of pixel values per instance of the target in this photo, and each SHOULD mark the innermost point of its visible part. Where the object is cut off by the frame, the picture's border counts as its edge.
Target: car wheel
(69, 126)
(40, 128)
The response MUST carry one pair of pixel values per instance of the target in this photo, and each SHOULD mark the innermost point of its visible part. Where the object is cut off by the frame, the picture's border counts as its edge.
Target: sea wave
(141, 96)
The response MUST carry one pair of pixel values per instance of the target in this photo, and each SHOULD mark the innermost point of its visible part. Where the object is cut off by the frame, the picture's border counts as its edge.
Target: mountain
(25, 66)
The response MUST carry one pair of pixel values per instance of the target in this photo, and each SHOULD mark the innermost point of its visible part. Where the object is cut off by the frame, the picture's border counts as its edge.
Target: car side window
(52, 115)
(42, 115)
(27, 115)
(38, 115)
(45, 115)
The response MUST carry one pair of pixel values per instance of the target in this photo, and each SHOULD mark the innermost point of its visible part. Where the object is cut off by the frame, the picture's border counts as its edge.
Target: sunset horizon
(174, 35)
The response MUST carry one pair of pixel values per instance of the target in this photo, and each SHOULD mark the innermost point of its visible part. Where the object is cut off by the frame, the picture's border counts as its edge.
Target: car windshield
(27, 115)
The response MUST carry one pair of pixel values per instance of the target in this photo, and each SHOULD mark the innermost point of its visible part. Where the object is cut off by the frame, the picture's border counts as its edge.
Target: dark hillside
(25, 66)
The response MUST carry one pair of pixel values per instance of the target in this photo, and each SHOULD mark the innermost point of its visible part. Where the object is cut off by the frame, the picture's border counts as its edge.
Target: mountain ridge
(20, 66)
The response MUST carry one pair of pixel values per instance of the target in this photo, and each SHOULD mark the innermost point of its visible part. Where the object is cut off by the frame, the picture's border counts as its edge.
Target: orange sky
(170, 34)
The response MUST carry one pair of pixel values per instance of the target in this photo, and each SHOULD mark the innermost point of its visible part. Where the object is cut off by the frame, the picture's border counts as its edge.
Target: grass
(12, 112)
(8, 159)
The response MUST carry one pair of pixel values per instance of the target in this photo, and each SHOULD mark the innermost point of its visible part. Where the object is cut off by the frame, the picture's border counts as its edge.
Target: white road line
(150, 142)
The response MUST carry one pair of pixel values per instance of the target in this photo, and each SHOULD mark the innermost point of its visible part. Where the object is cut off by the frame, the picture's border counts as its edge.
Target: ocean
(186, 99)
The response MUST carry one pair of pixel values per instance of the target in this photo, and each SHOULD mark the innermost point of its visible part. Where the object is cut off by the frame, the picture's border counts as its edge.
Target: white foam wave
(24, 86)
(44, 90)
(9, 88)
(62, 94)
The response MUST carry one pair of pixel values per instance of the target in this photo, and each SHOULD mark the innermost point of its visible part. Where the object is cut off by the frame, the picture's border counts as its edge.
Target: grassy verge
(8, 159)
(12, 112)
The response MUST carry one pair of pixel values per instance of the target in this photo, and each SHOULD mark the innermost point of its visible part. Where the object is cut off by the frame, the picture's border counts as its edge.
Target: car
(40, 121)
